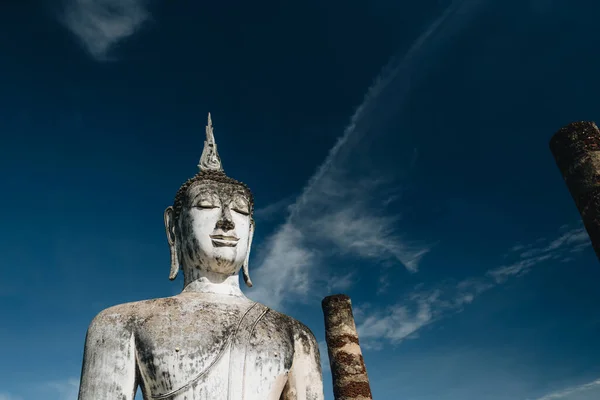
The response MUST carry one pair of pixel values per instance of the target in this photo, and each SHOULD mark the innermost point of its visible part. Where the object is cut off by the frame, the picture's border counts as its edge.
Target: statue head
(210, 225)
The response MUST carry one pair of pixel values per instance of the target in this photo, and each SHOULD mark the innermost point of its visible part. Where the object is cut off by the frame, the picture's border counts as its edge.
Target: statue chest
(233, 354)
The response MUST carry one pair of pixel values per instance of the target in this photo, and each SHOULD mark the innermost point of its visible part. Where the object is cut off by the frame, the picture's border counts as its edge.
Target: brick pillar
(576, 149)
(350, 381)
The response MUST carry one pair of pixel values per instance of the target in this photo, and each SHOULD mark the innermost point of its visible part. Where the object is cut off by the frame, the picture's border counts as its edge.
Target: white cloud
(273, 210)
(283, 273)
(586, 391)
(398, 322)
(423, 307)
(418, 309)
(561, 249)
(7, 396)
(384, 284)
(67, 389)
(101, 24)
(340, 212)
(464, 372)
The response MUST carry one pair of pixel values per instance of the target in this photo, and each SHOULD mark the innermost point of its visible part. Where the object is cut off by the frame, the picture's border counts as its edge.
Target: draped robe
(186, 348)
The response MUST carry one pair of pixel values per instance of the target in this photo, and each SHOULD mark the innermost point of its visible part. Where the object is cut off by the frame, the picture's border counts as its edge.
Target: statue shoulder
(119, 315)
(306, 356)
(295, 328)
(127, 315)
(304, 337)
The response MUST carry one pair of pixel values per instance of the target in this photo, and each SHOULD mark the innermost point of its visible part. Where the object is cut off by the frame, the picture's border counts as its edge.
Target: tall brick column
(576, 149)
(350, 381)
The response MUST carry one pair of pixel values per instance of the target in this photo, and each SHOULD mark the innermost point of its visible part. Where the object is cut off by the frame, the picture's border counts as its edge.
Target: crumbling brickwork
(350, 380)
(576, 149)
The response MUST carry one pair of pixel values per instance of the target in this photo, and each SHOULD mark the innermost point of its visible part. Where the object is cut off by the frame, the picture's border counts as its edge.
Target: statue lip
(224, 240)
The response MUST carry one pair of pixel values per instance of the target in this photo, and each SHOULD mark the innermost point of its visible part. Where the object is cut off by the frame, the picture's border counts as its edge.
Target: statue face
(214, 227)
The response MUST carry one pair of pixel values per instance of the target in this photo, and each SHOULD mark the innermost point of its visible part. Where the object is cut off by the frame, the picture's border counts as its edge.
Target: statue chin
(225, 261)
(203, 255)
(216, 267)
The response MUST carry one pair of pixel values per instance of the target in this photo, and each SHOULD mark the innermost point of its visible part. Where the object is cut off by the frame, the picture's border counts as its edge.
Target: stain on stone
(576, 150)
(353, 390)
(228, 185)
(342, 340)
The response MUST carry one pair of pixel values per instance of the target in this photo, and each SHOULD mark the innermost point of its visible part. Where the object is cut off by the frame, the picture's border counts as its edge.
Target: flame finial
(210, 160)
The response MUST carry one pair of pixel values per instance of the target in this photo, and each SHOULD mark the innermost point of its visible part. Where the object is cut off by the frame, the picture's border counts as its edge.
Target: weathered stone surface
(210, 341)
(350, 380)
(576, 149)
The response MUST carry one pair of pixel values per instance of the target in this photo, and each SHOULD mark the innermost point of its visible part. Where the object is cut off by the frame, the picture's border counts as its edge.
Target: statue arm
(109, 367)
(305, 380)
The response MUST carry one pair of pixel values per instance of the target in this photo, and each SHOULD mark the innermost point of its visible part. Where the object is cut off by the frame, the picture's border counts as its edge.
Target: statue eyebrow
(240, 193)
(205, 192)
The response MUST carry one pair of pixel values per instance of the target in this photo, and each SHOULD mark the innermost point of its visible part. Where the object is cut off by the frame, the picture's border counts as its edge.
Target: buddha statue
(210, 342)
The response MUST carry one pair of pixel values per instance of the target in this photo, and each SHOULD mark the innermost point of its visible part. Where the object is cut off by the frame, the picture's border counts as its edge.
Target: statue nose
(225, 222)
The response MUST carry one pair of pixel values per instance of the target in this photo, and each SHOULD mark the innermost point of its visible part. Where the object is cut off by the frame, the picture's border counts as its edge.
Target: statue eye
(243, 211)
(207, 204)
(240, 205)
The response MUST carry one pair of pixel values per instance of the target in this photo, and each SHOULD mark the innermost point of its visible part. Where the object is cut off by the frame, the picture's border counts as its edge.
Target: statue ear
(245, 265)
(171, 238)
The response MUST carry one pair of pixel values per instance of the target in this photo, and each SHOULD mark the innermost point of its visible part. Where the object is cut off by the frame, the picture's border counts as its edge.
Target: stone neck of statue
(210, 283)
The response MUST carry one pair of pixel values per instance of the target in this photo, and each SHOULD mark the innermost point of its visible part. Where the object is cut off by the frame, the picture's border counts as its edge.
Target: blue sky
(398, 152)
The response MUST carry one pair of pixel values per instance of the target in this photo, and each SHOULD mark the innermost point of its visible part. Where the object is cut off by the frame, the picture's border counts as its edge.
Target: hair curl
(215, 176)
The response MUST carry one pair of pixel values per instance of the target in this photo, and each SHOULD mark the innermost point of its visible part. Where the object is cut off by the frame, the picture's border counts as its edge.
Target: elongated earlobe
(174, 263)
(169, 217)
(245, 272)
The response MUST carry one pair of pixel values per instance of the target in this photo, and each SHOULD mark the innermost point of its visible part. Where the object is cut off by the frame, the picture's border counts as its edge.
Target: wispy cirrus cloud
(8, 396)
(419, 308)
(67, 389)
(569, 243)
(341, 211)
(101, 24)
(424, 306)
(274, 210)
(586, 391)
